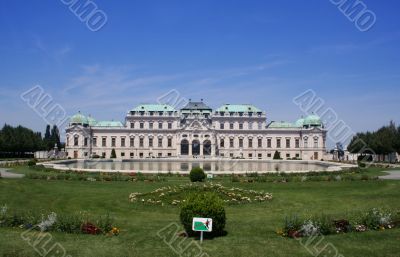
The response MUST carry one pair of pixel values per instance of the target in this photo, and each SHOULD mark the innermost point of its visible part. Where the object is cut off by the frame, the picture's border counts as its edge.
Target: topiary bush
(197, 174)
(32, 162)
(113, 154)
(207, 205)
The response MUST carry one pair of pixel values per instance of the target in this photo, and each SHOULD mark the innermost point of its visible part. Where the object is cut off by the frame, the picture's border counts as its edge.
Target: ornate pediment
(197, 125)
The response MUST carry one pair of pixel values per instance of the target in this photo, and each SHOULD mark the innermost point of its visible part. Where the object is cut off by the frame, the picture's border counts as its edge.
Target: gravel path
(5, 174)
(395, 174)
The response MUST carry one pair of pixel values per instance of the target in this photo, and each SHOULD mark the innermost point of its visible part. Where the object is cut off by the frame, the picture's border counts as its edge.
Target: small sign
(210, 176)
(202, 224)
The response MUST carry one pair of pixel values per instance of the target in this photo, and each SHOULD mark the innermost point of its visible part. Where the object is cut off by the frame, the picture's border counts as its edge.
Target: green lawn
(251, 228)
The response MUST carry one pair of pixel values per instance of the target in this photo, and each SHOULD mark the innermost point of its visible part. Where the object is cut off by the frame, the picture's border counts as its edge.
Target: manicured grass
(251, 227)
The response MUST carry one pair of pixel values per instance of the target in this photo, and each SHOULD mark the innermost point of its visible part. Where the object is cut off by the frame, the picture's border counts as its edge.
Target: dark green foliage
(32, 163)
(207, 205)
(18, 141)
(384, 141)
(113, 154)
(197, 175)
(277, 155)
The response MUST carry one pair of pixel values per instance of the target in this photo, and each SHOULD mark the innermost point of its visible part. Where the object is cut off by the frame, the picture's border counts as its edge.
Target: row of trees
(383, 142)
(19, 141)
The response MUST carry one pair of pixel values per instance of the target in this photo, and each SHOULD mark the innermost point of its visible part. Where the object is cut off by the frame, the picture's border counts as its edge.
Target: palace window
(141, 144)
(240, 142)
(151, 125)
(150, 142)
(269, 155)
(95, 141)
(160, 125)
(76, 140)
(231, 142)
(131, 141)
(151, 113)
(250, 155)
(287, 142)
(288, 155)
(269, 143)
(160, 142)
(132, 125)
(103, 141)
(315, 142)
(141, 125)
(67, 141)
(250, 143)
(240, 114)
(221, 125)
(169, 142)
(85, 141)
(131, 154)
(122, 141)
(306, 142)
(169, 125)
(240, 125)
(222, 143)
(113, 142)
(297, 143)
(122, 154)
(259, 143)
(230, 125)
(278, 143)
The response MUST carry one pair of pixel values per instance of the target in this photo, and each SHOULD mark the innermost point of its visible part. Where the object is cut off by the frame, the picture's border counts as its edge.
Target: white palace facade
(196, 131)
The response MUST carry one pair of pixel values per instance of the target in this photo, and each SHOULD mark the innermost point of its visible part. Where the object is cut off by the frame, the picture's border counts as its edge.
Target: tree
(113, 154)
(383, 142)
(19, 141)
(277, 155)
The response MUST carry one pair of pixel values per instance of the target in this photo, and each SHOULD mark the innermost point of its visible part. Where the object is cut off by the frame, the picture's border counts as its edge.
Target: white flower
(3, 209)
(309, 228)
(46, 224)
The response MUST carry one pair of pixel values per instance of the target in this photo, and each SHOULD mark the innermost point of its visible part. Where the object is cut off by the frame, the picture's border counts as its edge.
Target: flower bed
(374, 219)
(80, 223)
(175, 195)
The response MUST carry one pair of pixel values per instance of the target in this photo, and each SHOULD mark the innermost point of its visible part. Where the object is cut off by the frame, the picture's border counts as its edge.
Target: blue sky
(260, 52)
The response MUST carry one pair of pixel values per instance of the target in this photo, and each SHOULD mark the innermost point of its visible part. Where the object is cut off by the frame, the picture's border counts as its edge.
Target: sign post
(202, 225)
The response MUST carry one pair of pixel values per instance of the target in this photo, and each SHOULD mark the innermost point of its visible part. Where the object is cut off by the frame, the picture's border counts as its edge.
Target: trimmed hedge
(197, 175)
(207, 205)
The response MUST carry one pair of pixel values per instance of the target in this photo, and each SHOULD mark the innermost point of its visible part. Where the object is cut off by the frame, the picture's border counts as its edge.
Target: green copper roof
(79, 119)
(91, 121)
(312, 120)
(281, 124)
(299, 123)
(106, 123)
(238, 108)
(154, 108)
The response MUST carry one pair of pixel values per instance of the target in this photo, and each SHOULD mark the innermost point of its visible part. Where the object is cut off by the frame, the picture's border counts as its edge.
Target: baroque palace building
(196, 131)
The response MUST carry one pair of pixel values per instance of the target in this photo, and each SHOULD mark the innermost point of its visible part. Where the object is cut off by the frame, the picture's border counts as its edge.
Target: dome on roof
(91, 121)
(79, 119)
(312, 120)
(299, 122)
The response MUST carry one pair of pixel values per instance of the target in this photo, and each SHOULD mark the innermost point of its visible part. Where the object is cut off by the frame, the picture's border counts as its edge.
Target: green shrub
(31, 162)
(197, 175)
(277, 156)
(113, 154)
(207, 205)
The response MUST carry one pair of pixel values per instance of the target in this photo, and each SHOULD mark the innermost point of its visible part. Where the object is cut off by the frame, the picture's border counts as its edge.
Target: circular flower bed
(175, 195)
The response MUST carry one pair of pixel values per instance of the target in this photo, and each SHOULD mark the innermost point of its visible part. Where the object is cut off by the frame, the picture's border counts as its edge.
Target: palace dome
(312, 120)
(79, 119)
(91, 121)
(299, 123)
